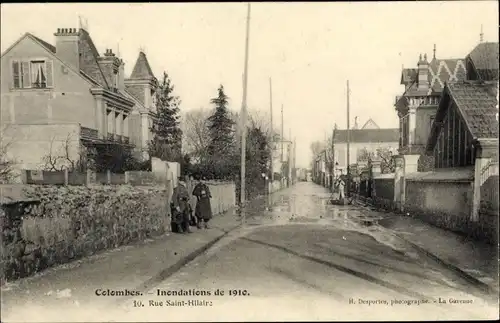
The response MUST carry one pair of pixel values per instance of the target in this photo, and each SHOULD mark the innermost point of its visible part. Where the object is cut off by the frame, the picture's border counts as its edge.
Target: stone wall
(446, 203)
(73, 222)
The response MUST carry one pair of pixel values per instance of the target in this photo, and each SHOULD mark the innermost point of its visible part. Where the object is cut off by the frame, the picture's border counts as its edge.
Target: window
(36, 74)
(431, 121)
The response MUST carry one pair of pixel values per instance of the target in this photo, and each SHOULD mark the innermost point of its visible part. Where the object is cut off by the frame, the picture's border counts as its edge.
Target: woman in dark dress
(203, 209)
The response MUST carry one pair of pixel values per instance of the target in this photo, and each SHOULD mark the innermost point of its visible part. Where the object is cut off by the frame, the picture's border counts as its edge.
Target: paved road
(300, 259)
(305, 260)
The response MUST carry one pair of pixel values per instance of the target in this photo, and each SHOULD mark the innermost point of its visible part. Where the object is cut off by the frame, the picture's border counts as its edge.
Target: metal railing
(88, 133)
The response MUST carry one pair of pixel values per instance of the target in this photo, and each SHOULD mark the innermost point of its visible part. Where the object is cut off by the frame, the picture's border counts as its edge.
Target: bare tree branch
(196, 135)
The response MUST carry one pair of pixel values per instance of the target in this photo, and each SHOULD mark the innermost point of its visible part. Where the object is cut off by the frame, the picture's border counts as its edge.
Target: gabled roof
(367, 135)
(51, 50)
(477, 104)
(370, 122)
(440, 71)
(142, 69)
(445, 70)
(48, 46)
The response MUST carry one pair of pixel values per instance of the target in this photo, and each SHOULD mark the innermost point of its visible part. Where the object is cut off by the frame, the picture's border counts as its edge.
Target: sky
(309, 50)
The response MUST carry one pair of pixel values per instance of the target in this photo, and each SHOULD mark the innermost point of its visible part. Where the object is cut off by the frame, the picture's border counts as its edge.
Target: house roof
(48, 46)
(370, 122)
(367, 135)
(476, 103)
(52, 51)
(484, 58)
(440, 72)
(142, 69)
(445, 70)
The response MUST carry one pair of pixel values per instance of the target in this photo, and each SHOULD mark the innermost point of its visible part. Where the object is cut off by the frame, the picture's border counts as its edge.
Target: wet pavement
(296, 257)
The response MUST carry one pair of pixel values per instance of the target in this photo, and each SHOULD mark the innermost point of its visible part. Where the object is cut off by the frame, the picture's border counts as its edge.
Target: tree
(316, 148)
(221, 149)
(385, 156)
(62, 157)
(330, 153)
(387, 164)
(6, 162)
(365, 155)
(257, 158)
(196, 134)
(167, 135)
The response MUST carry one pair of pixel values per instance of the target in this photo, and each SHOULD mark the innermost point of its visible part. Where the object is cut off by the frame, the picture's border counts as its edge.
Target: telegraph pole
(281, 144)
(289, 145)
(272, 128)
(348, 143)
(244, 111)
(282, 133)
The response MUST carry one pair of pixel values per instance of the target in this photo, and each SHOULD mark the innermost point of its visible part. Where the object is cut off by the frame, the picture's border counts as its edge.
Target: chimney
(67, 48)
(121, 76)
(110, 65)
(423, 73)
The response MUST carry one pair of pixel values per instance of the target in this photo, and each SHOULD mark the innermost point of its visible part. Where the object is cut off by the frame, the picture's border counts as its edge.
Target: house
(368, 138)
(417, 106)
(68, 98)
(464, 135)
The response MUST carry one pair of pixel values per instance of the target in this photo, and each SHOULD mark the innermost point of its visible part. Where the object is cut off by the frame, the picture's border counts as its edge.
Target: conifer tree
(221, 126)
(167, 135)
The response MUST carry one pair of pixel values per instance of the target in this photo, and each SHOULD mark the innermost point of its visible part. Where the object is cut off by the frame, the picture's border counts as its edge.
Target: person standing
(341, 187)
(181, 209)
(203, 210)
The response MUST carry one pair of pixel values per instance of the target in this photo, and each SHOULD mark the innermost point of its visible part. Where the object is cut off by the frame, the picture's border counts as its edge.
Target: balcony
(88, 133)
(118, 139)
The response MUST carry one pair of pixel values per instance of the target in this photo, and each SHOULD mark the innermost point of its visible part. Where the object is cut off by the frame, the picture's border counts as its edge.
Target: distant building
(71, 93)
(367, 139)
(282, 153)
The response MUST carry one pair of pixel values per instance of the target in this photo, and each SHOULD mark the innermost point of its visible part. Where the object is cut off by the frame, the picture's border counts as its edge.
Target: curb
(471, 279)
(169, 271)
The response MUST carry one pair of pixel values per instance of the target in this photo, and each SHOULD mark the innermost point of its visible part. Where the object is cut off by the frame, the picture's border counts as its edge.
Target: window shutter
(25, 74)
(49, 73)
(16, 77)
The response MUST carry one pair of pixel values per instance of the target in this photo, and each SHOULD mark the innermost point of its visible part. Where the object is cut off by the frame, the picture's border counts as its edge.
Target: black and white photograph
(249, 161)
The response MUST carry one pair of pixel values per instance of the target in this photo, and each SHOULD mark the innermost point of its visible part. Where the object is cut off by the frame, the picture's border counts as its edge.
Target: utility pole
(332, 161)
(281, 144)
(272, 129)
(289, 145)
(244, 111)
(294, 160)
(348, 143)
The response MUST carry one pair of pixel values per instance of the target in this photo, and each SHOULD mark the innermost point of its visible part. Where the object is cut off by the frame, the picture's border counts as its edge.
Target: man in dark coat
(181, 208)
(203, 209)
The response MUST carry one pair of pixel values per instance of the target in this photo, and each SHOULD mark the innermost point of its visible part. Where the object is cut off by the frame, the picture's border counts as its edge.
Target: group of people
(181, 210)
